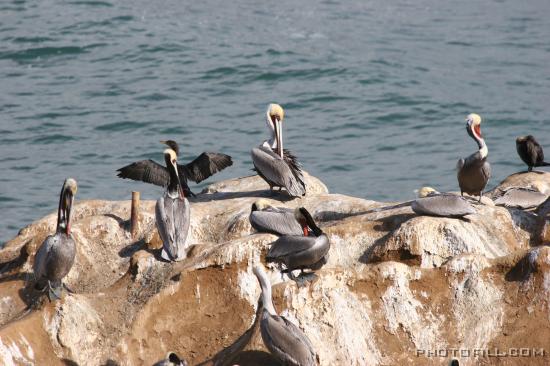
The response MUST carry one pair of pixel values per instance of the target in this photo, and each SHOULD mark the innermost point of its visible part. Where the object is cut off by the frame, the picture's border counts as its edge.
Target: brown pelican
(173, 213)
(474, 172)
(277, 166)
(275, 220)
(530, 151)
(55, 257)
(432, 203)
(301, 252)
(520, 197)
(172, 359)
(149, 171)
(282, 338)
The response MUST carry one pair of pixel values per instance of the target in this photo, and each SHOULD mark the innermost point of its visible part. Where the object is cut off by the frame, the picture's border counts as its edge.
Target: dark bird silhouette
(204, 166)
(530, 151)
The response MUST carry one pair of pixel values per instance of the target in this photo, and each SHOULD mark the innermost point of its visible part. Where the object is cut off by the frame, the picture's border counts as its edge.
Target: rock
(396, 285)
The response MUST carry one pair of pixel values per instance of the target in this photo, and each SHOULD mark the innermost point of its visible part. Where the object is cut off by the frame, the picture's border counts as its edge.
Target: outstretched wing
(146, 171)
(204, 166)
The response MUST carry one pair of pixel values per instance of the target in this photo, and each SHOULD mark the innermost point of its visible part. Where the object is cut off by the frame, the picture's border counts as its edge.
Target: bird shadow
(129, 250)
(121, 222)
(521, 271)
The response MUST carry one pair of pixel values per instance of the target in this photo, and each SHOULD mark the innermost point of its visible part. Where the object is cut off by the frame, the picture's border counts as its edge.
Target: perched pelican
(149, 171)
(282, 338)
(301, 252)
(172, 359)
(520, 197)
(275, 220)
(432, 203)
(530, 151)
(474, 172)
(277, 166)
(173, 213)
(55, 257)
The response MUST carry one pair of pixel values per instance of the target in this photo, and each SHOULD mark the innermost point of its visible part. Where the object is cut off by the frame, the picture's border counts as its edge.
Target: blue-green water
(375, 93)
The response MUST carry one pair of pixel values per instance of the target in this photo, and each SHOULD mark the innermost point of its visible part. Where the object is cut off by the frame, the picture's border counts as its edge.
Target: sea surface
(375, 91)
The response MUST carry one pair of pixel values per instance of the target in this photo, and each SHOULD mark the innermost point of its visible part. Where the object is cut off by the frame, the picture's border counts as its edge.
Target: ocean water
(375, 92)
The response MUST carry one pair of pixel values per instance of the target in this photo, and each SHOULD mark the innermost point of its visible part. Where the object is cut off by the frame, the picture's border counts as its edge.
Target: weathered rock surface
(396, 285)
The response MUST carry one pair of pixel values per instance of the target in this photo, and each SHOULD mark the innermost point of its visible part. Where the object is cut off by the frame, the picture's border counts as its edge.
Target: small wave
(121, 126)
(53, 139)
(92, 3)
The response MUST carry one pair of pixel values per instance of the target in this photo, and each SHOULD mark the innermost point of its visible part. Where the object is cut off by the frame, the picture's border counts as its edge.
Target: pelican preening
(432, 203)
(204, 166)
(530, 151)
(474, 172)
(301, 252)
(275, 220)
(172, 213)
(277, 166)
(55, 257)
(282, 338)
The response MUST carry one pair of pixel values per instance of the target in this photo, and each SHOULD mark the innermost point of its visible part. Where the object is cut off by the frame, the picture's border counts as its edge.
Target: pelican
(275, 220)
(432, 203)
(530, 151)
(173, 213)
(172, 359)
(277, 166)
(520, 197)
(55, 257)
(149, 171)
(301, 252)
(282, 338)
(474, 172)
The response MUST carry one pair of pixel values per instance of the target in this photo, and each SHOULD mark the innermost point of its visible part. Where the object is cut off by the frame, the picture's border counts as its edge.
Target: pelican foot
(54, 293)
(303, 279)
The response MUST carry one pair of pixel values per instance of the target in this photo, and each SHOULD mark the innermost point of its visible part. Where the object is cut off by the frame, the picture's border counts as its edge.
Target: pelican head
(66, 201)
(274, 117)
(473, 125)
(172, 145)
(425, 192)
(306, 221)
(260, 204)
(175, 360)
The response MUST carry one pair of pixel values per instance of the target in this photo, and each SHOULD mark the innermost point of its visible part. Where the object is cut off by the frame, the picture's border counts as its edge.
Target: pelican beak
(279, 137)
(68, 209)
(180, 190)
(163, 142)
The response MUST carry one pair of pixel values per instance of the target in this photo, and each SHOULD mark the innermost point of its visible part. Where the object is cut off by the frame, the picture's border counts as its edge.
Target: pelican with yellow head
(474, 172)
(277, 166)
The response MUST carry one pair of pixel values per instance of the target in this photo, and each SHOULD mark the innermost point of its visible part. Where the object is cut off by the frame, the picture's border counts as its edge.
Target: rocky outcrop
(397, 287)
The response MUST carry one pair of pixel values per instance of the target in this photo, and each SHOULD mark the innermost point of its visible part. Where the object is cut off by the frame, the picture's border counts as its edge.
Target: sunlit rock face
(396, 285)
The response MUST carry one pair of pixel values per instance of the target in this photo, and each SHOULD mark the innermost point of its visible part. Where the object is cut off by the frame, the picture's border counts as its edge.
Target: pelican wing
(146, 171)
(445, 205)
(204, 166)
(287, 341)
(41, 257)
(290, 244)
(280, 172)
(520, 197)
(275, 221)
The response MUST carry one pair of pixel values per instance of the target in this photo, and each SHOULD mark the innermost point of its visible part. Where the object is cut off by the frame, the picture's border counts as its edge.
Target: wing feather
(205, 165)
(147, 171)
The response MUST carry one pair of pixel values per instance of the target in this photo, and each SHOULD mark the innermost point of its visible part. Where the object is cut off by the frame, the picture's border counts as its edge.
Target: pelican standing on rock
(530, 151)
(474, 172)
(432, 203)
(277, 166)
(301, 252)
(275, 220)
(204, 166)
(55, 257)
(282, 338)
(173, 213)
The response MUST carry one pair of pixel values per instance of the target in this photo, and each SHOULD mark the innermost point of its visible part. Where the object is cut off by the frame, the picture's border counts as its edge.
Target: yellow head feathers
(71, 185)
(275, 111)
(261, 204)
(425, 192)
(475, 118)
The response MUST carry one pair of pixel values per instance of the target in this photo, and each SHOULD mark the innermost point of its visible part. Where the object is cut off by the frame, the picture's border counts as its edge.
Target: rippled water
(375, 93)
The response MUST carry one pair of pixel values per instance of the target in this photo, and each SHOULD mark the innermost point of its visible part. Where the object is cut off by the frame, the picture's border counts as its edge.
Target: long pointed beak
(180, 190)
(279, 137)
(68, 201)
